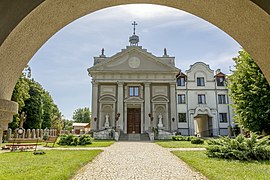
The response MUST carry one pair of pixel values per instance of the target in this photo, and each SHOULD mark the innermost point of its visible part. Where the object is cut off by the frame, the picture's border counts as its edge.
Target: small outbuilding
(80, 128)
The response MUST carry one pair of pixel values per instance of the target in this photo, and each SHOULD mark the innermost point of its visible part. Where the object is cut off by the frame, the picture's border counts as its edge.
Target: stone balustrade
(31, 133)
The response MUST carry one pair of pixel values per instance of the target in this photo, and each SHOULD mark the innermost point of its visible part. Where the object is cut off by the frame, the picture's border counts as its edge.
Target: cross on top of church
(134, 24)
(134, 39)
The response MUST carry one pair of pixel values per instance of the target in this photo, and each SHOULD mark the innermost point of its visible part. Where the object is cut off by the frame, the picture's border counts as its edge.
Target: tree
(38, 104)
(67, 124)
(82, 115)
(57, 122)
(34, 106)
(250, 93)
(20, 95)
(47, 114)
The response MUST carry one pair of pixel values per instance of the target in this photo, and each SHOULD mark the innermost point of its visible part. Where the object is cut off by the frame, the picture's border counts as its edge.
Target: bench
(51, 139)
(22, 143)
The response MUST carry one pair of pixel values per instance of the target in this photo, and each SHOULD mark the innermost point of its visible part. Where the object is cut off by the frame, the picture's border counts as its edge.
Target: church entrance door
(133, 120)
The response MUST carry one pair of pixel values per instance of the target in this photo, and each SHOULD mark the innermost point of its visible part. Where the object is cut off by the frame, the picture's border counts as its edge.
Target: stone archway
(205, 122)
(27, 25)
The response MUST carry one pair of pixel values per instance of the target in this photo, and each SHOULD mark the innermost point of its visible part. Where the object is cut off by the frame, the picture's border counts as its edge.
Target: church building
(135, 91)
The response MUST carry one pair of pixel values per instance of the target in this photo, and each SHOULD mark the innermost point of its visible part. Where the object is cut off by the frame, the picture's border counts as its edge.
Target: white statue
(107, 123)
(160, 125)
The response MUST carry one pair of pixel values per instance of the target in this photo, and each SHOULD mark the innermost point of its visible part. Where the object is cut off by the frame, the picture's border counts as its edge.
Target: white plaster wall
(211, 92)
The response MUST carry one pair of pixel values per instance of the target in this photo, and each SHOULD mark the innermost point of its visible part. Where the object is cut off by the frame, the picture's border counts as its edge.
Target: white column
(120, 100)
(173, 107)
(94, 116)
(167, 117)
(147, 105)
(142, 128)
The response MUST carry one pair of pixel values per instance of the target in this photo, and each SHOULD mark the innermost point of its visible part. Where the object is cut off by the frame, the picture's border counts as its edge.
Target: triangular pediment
(134, 59)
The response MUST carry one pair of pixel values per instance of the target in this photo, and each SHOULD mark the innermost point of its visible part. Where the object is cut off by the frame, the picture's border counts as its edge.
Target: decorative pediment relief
(134, 100)
(204, 110)
(160, 99)
(107, 98)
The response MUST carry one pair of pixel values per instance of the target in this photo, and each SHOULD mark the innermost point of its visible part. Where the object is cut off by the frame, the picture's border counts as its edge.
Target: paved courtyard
(136, 160)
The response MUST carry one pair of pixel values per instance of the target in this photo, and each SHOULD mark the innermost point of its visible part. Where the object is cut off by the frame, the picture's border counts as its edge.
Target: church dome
(134, 40)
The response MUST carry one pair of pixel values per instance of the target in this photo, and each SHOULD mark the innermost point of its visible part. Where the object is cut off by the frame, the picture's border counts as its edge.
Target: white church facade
(135, 92)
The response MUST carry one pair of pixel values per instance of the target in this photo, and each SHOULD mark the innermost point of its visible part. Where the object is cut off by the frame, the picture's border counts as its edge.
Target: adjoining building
(135, 92)
(202, 102)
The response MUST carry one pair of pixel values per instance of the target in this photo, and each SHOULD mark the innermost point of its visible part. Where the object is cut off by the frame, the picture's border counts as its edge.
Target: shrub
(45, 136)
(85, 139)
(196, 140)
(71, 140)
(182, 138)
(39, 152)
(240, 148)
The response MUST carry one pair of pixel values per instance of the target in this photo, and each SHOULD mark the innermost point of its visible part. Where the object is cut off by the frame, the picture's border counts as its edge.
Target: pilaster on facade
(120, 104)
(173, 118)
(147, 106)
(94, 115)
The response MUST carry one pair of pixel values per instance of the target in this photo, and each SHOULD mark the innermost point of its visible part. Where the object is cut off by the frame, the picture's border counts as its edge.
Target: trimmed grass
(223, 169)
(55, 164)
(96, 143)
(180, 144)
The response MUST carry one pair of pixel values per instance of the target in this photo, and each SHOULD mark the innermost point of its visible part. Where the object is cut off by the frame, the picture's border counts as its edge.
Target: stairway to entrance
(134, 137)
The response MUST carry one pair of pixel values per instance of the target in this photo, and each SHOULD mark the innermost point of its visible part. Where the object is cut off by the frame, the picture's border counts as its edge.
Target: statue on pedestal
(107, 123)
(22, 119)
(160, 125)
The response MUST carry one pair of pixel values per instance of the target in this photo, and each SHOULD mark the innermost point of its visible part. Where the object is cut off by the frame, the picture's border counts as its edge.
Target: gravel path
(136, 160)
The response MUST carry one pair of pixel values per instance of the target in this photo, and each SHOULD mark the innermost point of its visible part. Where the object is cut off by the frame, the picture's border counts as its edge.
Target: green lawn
(224, 169)
(55, 164)
(180, 144)
(96, 143)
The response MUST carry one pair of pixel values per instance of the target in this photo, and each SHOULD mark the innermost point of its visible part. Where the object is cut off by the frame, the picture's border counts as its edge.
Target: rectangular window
(182, 117)
(181, 99)
(134, 91)
(221, 99)
(200, 81)
(220, 81)
(181, 81)
(223, 117)
(201, 99)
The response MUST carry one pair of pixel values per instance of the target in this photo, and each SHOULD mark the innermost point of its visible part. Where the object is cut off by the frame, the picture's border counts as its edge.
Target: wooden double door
(133, 120)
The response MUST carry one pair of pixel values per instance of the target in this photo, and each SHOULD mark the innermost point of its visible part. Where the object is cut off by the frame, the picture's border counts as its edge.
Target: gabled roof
(220, 74)
(109, 60)
(181, 74)
(80, 124)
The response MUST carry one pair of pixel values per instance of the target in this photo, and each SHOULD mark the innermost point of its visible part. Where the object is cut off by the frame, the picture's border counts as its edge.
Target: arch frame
(31, 25)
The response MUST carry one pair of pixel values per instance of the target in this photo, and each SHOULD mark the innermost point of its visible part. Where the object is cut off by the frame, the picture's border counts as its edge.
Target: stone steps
(133, 137)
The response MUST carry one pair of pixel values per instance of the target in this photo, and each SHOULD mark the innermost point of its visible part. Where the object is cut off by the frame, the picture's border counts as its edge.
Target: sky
(60, 65)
